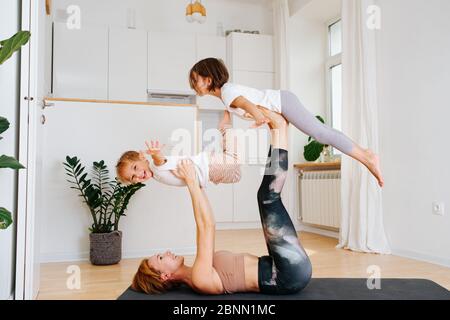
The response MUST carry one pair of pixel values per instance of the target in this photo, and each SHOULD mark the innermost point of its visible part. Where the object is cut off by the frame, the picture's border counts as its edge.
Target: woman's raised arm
(203, 275)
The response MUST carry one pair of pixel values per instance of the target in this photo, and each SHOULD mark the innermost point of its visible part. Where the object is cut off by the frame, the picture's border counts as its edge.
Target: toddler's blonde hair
(125, 159)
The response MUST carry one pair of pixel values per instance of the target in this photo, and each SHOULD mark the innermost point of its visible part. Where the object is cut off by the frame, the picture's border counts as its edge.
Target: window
(334, 75)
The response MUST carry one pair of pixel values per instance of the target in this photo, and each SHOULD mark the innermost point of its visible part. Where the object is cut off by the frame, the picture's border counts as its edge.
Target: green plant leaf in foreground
(11, 45)
(10, 162)
(4, 124)
(5, 218)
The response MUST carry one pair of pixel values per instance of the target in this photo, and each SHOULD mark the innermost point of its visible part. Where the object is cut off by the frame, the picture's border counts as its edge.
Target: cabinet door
(251, 52)
(127, 64)
(170, 57)
(210, 46)
(221, 199)
(253, 147)
(245, 202)
(80, 62)
(259, 80)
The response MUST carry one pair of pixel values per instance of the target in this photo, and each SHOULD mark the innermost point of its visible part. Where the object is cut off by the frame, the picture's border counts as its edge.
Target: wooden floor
(98, 282)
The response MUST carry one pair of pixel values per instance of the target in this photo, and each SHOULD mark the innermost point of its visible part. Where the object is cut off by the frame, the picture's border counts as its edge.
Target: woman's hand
(259, 121)
(186, 171)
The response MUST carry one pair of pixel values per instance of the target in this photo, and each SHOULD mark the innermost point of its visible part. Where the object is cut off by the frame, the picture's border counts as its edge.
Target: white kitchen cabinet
(158, 216)
(170, 58)
(255, 79)
(127, 64)
(253, 148)
(80, 62)
(250, 52)
(221, 199)
(250, 61)
(245, 202)
(210, 46)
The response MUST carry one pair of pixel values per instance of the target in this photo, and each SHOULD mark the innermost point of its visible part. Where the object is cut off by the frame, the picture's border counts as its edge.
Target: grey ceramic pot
(106, 248)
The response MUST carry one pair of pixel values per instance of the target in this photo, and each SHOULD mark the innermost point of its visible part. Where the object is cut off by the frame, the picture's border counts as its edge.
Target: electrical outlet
(438, 208)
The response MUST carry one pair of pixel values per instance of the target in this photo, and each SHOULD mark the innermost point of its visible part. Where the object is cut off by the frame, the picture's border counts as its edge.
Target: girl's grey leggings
(294, 112)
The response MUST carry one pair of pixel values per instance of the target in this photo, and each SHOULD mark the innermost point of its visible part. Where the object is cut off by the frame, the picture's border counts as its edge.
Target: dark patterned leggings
(287, 269)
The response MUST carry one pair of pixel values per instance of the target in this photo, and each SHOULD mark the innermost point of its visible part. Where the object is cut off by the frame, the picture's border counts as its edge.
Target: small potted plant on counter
(314, 149)
(107, 201)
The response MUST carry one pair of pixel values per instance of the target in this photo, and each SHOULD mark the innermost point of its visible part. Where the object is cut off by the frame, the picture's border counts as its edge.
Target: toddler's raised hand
(154, 147)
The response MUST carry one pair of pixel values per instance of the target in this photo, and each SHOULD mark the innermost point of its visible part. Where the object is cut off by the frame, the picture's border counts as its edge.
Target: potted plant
(107, 201)
(314, 148)
(7, 48)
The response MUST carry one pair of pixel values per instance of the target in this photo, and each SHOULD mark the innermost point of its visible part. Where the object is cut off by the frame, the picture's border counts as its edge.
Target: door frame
(27, 250)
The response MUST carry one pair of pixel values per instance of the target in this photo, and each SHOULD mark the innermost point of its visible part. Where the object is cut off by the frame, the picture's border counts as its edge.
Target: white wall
(9, 95)
(414, 81)
(308, 45)
(157, 15)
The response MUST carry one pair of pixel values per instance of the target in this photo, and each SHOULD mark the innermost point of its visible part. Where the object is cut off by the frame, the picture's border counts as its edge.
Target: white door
(32, 93)
(127, 64)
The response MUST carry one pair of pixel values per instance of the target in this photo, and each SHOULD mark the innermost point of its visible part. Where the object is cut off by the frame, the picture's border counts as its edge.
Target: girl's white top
(269, 99)
(165, 175)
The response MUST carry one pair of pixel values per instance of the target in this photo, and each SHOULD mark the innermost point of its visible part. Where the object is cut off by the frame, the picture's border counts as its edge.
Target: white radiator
(320, 198)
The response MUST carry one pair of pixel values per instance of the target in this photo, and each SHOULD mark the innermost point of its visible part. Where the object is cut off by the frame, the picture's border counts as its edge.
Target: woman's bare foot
(278, 129)
(373, 164)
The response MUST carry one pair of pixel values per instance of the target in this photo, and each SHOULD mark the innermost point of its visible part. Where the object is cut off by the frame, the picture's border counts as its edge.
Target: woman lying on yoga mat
(287, 268)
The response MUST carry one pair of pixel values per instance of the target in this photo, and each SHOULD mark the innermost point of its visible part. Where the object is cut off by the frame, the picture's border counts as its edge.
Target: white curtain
(280, 39)
(280, 9)
(361, 202)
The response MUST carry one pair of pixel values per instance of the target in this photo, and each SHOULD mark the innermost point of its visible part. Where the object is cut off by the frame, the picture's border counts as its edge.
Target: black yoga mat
(320, 289)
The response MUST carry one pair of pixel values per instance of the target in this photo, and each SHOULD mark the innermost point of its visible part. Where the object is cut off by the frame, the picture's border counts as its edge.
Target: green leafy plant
(314, 148)
(11, 45)
(107, 199)
(7, 48)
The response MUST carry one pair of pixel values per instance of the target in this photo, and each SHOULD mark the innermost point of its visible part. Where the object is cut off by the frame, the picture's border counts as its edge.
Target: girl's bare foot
(373, 164)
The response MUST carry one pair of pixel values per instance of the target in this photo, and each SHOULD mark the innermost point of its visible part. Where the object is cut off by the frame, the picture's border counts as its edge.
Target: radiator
(320, 198)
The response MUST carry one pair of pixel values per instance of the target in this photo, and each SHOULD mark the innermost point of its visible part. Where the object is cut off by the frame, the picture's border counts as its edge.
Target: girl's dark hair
(212, 68)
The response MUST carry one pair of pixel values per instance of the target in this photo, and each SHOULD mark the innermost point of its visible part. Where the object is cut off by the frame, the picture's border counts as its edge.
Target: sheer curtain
(361, 201)
(281, 16)
(280, 43)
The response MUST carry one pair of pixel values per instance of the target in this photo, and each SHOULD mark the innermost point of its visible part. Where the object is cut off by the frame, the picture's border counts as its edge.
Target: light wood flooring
(108, 282)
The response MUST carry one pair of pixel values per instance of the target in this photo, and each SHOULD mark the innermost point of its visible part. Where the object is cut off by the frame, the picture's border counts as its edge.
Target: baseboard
(238, 225)
(445, 262)
(323, 232)
(64, 257)
(84, 256)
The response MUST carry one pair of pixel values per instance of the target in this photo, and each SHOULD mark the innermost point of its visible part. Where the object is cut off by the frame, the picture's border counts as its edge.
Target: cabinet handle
(43, 119)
